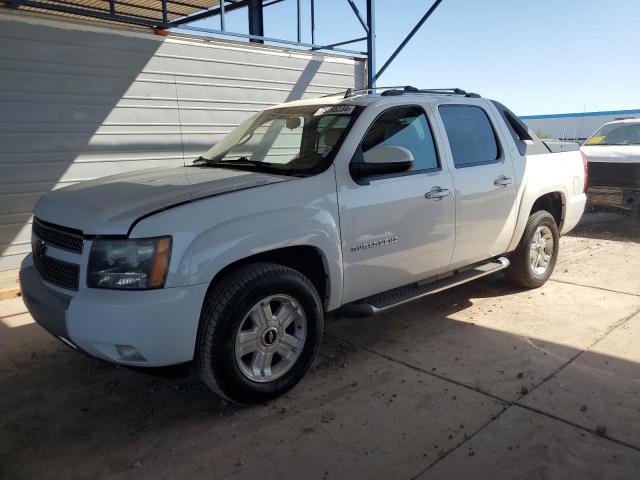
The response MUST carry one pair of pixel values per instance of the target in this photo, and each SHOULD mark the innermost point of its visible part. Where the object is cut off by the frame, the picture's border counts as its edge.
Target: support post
(112, 7)
(313, 22)
(165, 20)
(256, 22)
(222, 15)
(371, 44)
(299, 23)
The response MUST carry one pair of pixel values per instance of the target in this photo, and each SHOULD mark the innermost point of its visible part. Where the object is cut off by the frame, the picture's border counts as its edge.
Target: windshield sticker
(335, 110)
(595, 140)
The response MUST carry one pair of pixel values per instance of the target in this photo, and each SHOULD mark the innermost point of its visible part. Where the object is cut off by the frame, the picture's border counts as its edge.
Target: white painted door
(392, 234)
(484, 179)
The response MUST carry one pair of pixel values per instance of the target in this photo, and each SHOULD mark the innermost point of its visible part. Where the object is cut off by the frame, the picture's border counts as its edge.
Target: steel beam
(274, 40)
(371, 43)
(103, 14)
(210, 13)
(164, 12)
(407, 39)
(299, 21)
(337, 44)
(358, 15)
(256, 20)
(313, 21)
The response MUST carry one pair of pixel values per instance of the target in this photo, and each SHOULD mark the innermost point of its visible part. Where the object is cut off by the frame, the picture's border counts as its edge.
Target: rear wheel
(535, 257)
(260, 330)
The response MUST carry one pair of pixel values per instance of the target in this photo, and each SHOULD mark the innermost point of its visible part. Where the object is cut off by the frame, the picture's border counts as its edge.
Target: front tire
(260, 330)
(535, 257)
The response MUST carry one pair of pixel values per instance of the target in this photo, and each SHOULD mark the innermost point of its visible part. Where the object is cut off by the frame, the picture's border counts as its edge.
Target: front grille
(57, 272)
(59, 236)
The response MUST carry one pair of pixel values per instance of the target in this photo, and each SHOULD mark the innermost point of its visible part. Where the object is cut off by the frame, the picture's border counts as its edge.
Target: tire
(521, 271)
(235, 319)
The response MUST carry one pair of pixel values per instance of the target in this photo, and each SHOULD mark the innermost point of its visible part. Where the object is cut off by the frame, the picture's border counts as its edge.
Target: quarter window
(471, 136)
(404, 127)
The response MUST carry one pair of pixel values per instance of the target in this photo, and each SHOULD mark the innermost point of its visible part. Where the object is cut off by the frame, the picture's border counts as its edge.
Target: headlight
(135, 264)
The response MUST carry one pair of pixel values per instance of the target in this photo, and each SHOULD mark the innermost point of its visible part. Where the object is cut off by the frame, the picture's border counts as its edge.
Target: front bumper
(161, 325)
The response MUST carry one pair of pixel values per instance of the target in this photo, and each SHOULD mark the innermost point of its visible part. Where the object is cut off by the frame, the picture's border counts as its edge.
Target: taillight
(585, 163)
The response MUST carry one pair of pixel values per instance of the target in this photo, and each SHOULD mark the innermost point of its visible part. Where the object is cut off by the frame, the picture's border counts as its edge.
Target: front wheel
(260, 330)
(535, 257)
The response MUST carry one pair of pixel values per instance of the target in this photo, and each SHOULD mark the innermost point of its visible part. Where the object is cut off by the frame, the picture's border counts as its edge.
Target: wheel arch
(306, 259)
(552, 200)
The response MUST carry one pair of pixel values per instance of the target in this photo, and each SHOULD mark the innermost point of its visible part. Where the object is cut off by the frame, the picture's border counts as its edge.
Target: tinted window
(404, 127)
(470, 134)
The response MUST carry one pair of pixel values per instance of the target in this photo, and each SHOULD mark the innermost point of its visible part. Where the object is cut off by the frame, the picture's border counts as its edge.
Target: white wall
(80, 101)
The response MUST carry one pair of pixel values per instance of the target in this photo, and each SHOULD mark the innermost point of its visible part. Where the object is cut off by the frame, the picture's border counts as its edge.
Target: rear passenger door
(484, 182)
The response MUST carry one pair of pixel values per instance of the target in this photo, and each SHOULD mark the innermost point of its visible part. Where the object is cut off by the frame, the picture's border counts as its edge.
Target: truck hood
(612, 153)
(110, 205)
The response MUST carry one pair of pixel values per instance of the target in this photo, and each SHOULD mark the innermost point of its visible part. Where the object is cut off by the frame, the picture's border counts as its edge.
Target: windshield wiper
(237, 162)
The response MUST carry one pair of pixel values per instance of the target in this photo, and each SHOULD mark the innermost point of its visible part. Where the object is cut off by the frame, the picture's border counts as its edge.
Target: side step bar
(392, 298)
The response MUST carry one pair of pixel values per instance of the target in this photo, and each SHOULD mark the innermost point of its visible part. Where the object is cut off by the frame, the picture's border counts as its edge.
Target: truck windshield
(289, 141)
(616, 134)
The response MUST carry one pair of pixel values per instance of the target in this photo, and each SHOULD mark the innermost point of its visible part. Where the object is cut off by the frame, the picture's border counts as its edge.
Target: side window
(404, 127)
(471, 136)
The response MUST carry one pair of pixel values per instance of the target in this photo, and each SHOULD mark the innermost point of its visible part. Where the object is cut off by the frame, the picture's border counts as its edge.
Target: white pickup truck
(351, 203)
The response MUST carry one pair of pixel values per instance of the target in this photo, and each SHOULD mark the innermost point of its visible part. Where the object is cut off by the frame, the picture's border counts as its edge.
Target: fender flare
(526, 204)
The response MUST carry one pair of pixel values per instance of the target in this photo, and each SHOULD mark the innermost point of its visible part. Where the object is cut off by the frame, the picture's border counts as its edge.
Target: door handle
(502, 181)
(437, 193)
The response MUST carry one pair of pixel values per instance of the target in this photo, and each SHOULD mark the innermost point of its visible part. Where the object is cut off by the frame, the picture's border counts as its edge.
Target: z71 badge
(376, 243)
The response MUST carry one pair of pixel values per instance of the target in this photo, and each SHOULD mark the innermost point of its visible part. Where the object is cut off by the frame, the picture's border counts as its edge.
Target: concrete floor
(484, 381)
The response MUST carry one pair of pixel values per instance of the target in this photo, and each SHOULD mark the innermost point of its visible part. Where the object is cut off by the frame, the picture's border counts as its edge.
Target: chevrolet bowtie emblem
(39, 247)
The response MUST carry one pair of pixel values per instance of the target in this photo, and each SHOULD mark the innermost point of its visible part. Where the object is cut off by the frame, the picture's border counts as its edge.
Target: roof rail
(401, 90)
(431, 91)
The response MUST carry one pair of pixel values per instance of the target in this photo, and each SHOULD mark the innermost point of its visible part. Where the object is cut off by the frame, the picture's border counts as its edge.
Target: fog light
(129, 352)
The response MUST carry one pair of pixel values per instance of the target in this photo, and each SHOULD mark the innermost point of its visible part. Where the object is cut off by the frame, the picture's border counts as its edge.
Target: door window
(404, 127)
(471, 136)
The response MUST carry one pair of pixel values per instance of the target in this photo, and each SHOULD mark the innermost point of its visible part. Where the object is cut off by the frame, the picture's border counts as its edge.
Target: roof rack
(430, 91)
(401, 90)
(350, 92)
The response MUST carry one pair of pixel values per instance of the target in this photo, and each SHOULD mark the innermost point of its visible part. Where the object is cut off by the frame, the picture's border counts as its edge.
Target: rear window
(470, 134)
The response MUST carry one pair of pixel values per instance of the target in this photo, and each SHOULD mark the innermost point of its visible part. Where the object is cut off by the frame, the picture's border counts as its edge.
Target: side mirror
(382, 161)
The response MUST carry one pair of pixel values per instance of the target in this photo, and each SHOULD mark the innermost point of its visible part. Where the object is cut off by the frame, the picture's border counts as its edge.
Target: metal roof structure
(163, 15)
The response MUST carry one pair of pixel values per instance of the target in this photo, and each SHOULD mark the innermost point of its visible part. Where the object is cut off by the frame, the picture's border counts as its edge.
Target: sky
(535, 56)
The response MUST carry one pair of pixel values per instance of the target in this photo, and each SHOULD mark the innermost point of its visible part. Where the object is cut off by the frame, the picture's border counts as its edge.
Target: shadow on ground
(485, 380)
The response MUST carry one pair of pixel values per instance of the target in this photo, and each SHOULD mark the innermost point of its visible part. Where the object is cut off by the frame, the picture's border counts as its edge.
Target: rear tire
(534, 259)
(260, 329)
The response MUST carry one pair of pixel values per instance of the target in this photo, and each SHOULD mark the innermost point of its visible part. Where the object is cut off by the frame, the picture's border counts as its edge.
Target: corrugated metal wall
(79, 102)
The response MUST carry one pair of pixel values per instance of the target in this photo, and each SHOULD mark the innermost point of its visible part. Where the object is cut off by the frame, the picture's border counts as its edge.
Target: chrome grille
(56, 271)
(61, 237)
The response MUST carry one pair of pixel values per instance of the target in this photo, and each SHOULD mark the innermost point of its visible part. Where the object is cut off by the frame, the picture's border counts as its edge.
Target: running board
(392, 298)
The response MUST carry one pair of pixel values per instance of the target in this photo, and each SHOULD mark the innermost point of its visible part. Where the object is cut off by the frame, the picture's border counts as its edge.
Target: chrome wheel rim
(541, 250)
(270, 338)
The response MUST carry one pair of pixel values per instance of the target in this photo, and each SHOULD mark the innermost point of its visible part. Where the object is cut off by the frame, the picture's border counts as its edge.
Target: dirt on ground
(483, 381)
